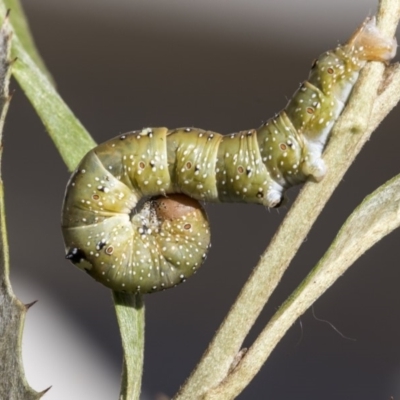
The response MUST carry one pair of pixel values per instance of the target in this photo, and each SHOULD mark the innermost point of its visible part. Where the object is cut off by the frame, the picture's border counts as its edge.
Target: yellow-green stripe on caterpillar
(161, 244)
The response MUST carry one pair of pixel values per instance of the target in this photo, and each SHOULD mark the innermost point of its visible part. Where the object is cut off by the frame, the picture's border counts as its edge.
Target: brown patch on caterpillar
(175, 206)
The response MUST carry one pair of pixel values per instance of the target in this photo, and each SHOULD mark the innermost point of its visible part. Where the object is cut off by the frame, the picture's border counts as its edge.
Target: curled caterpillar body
(156, 248)
(165, 241)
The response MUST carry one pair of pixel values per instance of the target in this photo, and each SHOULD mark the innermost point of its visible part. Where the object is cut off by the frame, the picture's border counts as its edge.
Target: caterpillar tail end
(370, 44)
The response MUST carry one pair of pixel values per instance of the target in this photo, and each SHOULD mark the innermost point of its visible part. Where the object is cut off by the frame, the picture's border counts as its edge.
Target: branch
(12, 312)
(373, 219)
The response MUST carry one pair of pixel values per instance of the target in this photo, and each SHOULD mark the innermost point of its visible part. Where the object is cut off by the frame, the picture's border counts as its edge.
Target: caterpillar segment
(164, 240)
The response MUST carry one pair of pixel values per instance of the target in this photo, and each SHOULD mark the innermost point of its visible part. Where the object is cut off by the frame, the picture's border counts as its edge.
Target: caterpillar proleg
(162, 243)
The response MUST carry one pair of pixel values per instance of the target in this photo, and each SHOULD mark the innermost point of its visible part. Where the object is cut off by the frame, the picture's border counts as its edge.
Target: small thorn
(29, 305)
(41, 394)
(7, 14)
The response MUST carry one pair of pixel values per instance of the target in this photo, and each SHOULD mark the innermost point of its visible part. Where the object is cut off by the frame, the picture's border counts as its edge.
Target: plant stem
(13, 384)
(130, 314)
(374, 218)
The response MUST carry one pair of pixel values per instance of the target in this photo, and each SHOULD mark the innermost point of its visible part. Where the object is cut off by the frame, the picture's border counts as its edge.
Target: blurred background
(225, 66)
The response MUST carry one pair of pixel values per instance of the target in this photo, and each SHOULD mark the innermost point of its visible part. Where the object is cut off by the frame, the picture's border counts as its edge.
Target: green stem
(373, 219)
(130, 314)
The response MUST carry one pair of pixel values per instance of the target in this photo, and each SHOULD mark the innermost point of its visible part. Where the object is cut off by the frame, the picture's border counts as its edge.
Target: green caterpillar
(156, 246)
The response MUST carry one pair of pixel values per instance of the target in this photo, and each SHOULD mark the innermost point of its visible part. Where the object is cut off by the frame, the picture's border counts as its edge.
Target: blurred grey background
(225, 66)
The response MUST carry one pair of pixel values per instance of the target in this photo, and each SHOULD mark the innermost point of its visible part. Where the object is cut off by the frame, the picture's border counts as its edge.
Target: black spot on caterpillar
(165, 241)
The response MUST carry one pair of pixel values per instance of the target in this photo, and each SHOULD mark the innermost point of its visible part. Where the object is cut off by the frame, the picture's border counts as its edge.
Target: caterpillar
(131, 215)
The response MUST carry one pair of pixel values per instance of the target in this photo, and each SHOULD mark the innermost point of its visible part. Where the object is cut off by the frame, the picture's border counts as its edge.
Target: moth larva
(166, 240)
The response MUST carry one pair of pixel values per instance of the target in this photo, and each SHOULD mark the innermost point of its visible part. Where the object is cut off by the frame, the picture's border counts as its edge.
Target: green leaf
(21, 29)
(130, 314)
(68, 134)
